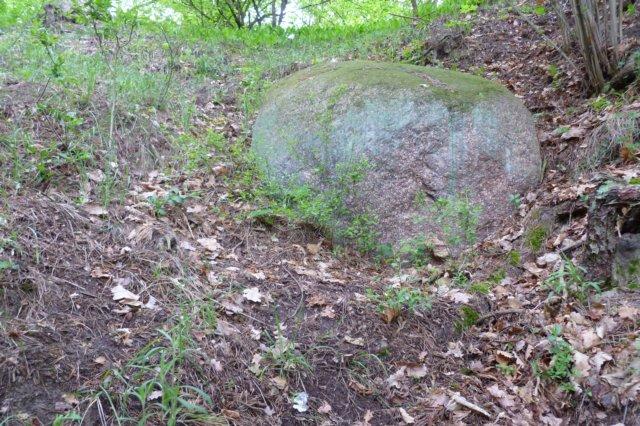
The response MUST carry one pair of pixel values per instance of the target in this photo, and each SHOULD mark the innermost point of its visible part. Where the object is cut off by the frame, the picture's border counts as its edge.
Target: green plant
(506, 369)
(600, 103)
(6, 265)
(285, 357)
(65, 419)
(515, 200)
(398, 299)
(324, 208)
(554, 73)
(458, 218)
(414, 252)
(535, 237)
(569, 281)
(154, 379)
(561, 364)
(482, 287)
(468, 318)
(172, 198)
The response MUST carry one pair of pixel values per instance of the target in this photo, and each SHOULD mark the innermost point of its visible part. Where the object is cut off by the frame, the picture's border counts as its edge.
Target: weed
(458, 218)
(159, 204)
(514, 258)
(536, 237)
(600, 103)
(6, 265)
(515, 200)
(507, 369)
(153, 379)
(398, 299)
(561, 364)
(284, 355)
(483, 287)
(554, 73)
(468, 318)
(324, 208)
(414, 252)
(569, 281)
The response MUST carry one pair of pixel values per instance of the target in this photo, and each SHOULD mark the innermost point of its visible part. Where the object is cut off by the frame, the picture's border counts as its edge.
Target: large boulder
(443, 151)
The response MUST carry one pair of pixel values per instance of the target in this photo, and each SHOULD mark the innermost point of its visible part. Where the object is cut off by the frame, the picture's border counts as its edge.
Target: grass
(468, 318)
(536, 237)
(151, 386)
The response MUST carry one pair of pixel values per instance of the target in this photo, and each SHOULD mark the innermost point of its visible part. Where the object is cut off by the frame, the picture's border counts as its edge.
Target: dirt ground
(293, 317)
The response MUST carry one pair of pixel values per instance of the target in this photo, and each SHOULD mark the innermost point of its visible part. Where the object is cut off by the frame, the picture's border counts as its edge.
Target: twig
(465, 403)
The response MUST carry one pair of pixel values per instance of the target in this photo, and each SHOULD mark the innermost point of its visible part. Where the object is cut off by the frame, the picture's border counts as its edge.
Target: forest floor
(170, 303)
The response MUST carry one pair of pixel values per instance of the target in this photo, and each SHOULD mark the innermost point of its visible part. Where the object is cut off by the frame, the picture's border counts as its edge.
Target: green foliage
(554, 73)
(506, 369)
(561, 364)
(515, 200)
(600, 103)
(514, 258)
(468, 318)
(458, 218)
(153, 378)
(631, 9)
(569, 281)
(285, 358)
(415, 252)
(535, 237)
(398, 299)
(324, 208)
(193, 154)
(171, 199)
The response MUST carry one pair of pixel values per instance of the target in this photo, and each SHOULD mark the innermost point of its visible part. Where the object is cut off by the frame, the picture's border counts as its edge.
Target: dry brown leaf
(316, 300)
(406, 417)
(325, 408)
(95, 210)
(328, 312)
(389, 315)
(628, 312)
(252, 294)
(417, 372)
(357, 341)
(210, 244)
(581, 364)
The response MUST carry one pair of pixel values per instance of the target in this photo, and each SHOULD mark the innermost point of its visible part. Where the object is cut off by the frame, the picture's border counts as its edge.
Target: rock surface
(425, 134)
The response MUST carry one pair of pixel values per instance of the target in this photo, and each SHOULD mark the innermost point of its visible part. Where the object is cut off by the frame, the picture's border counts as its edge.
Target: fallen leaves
(356, 341)
(210, 244)
(252, 294)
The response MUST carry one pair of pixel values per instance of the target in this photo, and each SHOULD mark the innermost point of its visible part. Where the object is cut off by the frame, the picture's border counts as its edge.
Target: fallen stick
(456, 397)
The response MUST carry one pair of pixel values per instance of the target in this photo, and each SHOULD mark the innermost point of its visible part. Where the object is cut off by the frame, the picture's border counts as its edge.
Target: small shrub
(285, 357)
(600, 103)
(159, 204)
